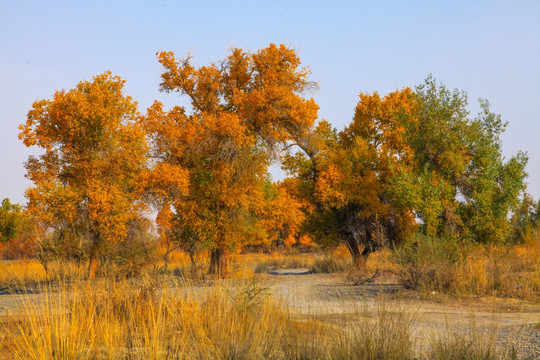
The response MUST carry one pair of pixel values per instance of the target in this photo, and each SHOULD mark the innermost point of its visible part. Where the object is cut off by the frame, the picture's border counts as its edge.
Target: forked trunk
(361, 261)
(352, 245)
(93, 262)
(359, 257)
(219, 263)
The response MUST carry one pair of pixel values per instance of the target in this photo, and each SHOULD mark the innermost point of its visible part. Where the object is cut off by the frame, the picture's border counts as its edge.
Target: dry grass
(20, 274)
(149, 319)
(472, 343)
(500, 271)
(110, 319)
(158, 317)
(262, 263)
(434, 265)
(363, 334)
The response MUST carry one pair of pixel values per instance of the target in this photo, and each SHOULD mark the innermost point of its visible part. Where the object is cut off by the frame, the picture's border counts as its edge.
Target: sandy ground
(330, 299)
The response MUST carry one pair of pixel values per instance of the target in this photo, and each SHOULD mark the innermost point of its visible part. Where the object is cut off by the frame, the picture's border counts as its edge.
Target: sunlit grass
(479, 270)
(147, 318)
(20, 274)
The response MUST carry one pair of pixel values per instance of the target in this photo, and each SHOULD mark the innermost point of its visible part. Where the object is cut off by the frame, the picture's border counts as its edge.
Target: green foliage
(19, 233)
(465, 185)
(428, 262)
(11, 219)
(525, 220)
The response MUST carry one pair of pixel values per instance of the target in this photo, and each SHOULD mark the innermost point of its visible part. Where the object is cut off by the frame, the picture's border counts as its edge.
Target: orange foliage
(283, 217)
(356, 181)
(242, 110)
(86, 181)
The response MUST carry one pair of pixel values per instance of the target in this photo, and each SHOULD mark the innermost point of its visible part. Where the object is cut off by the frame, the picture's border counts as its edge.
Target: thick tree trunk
(352, 244)
(362, 259)
(219, 263)
(359, 257)
(368, 249)
(93, 262)
(192, 258)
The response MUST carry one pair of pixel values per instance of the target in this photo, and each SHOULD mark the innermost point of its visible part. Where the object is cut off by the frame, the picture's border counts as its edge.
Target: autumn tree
(354, 179)
(85, 182)
(210, 161)
(282, 216)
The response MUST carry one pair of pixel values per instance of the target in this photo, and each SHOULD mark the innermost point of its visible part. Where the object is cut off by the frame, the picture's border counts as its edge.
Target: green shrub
(428, 264)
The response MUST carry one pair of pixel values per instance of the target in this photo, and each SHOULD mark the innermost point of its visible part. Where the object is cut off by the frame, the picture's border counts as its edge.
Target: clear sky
(491, 49)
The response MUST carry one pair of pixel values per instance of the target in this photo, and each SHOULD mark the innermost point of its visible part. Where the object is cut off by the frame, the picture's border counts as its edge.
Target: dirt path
(329, 298)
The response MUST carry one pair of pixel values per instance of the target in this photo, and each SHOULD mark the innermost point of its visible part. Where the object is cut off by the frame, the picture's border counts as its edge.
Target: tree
(525, 221)
(86, 182)
(282, 215)
(11, 218)
(356, 180)
(466, 186)
(18, 232)
(210, 165)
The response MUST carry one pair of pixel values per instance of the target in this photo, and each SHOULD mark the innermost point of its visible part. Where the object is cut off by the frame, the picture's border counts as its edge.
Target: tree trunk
(368, 249)
(93, 262)
(219, 263)
(192, 257)
(359, 258)
(352, 244)
(362, 258)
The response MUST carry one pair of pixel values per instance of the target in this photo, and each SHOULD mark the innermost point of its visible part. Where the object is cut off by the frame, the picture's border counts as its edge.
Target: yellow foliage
(241, 110)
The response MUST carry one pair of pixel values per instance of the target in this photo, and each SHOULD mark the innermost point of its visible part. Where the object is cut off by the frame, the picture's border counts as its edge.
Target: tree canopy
(210, 164)
(86, 181)
(413, 160)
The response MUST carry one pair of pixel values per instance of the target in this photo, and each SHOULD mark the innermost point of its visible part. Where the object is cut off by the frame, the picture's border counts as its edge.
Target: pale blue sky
(490, 49)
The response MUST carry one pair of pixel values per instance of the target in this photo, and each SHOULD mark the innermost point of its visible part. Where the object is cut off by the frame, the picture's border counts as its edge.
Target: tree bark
(352, 244)
(219, 263)
(368, 249)
(362, 259)
(359, 258)
(93, 262)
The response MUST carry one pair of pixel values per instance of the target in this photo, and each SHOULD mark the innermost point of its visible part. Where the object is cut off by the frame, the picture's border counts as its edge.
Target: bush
(428, 264)
(446, 265)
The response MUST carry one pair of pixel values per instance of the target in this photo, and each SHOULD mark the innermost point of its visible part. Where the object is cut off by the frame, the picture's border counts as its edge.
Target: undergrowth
(445, 265)
(147, 318)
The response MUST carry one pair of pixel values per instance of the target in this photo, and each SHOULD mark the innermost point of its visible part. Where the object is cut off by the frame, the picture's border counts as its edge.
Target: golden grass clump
(110, 319)
(443, 265)
(472, 343)
(21, 274)
(505, 271)
(262, 263)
